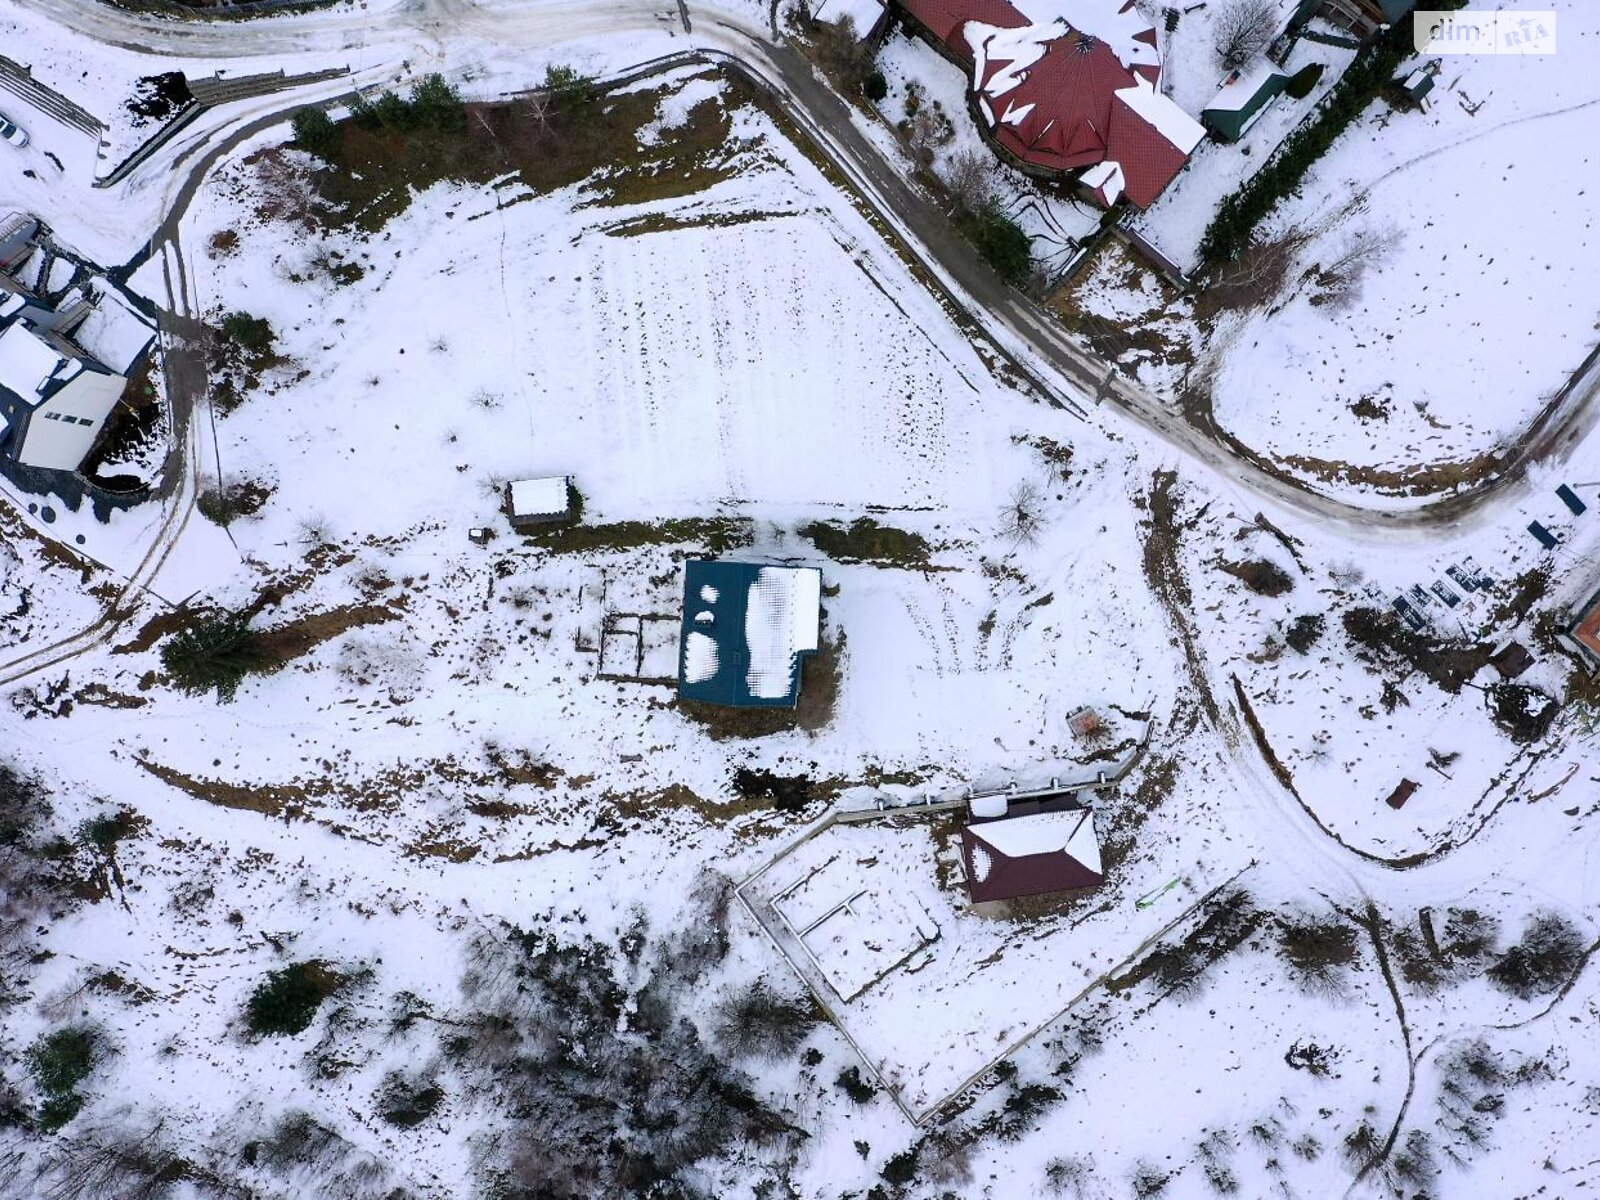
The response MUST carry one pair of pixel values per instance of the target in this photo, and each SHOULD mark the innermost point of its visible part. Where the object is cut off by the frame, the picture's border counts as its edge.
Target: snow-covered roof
(746, 627)
(1117, 23)
(1069, 832)
(699, 657)
(1069, 85)
(865, 13)
(781, 620)
(27, 363)
(1105, 179)
(539, 497)
(1165, 117)
(1241, 87)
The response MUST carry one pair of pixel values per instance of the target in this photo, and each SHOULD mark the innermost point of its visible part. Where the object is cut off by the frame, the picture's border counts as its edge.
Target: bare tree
(1073, 1176)
(1243, 30)
(313, 532)
(536, 111)
(1341, 279)
(1022, 518)
(967, 174)
(115, 1161)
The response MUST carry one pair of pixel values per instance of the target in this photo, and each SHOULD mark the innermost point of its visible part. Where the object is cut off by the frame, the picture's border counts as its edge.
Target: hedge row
(1237, 217)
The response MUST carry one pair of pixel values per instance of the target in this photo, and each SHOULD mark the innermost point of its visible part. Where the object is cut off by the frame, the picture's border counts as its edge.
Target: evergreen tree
(216, 652)
(437, 105)
(315, 133)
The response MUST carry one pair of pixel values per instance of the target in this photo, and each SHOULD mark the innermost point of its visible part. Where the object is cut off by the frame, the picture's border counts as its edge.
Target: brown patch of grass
(154, 630)
(1127, 813)
(284, 800)
(378, 172)
(1261, 575)
(716, 534)
(1274, 764)
(99, 695)
(1163, 569)
(1424, 479)
(449, 850)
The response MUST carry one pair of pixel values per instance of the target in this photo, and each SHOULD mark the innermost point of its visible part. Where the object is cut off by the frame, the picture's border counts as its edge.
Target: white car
(12, 132)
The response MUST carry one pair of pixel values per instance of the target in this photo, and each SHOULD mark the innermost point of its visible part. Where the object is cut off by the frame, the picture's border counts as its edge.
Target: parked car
(12, 132)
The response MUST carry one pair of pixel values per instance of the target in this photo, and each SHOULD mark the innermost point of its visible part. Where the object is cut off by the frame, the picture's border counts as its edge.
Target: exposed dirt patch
(1279, 771)
(1163, 535)
(289, 642)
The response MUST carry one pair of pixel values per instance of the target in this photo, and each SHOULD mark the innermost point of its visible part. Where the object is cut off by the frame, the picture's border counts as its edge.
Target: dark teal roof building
(746, 629)
(1244, 96)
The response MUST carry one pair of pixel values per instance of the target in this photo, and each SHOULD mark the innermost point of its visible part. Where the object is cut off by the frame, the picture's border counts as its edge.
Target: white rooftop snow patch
(1238, 91)
(26, 362)
(539, 497)
(1017, 49)
(1101, 19)
(700, 657)
(1070, 831)
(781, 619)
(1106, 178)
(1170, 121)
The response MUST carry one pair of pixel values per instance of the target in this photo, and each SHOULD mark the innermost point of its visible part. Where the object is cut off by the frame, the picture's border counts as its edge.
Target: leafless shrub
(1148, 1180)
(1318, 950)
(1341, 279)
(283, 189)
(485, 399)
(313, 532)
(969, 176)
(759, 1022)
(122, 1160)
(1550, 951)
(439, 345)
(946, 1160)
(1347, 574)
(1022, 519)
(927, 130)
(1072, 1176)
(1242, 29)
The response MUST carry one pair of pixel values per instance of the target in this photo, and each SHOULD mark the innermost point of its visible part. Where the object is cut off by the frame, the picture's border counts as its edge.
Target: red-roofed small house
(1048, 851)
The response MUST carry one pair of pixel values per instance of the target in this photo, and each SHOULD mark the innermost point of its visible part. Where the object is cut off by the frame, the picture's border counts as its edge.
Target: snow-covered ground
(1468, 221)
(440, 752)
(1401, 327)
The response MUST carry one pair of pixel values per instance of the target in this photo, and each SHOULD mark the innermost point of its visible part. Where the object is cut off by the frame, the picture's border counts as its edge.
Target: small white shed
(532, 502)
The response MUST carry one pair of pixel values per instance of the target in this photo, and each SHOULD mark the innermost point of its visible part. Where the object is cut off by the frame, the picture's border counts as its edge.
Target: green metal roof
(716, 662)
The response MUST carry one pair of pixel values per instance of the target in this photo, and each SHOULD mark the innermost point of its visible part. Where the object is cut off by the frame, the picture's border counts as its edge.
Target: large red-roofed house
(1068, 87)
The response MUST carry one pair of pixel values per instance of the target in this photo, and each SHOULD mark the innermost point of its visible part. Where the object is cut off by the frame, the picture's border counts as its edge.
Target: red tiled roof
(1072, 94)
(1149, 161)
(1072, 116)
(944, 19)
(994, 875)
